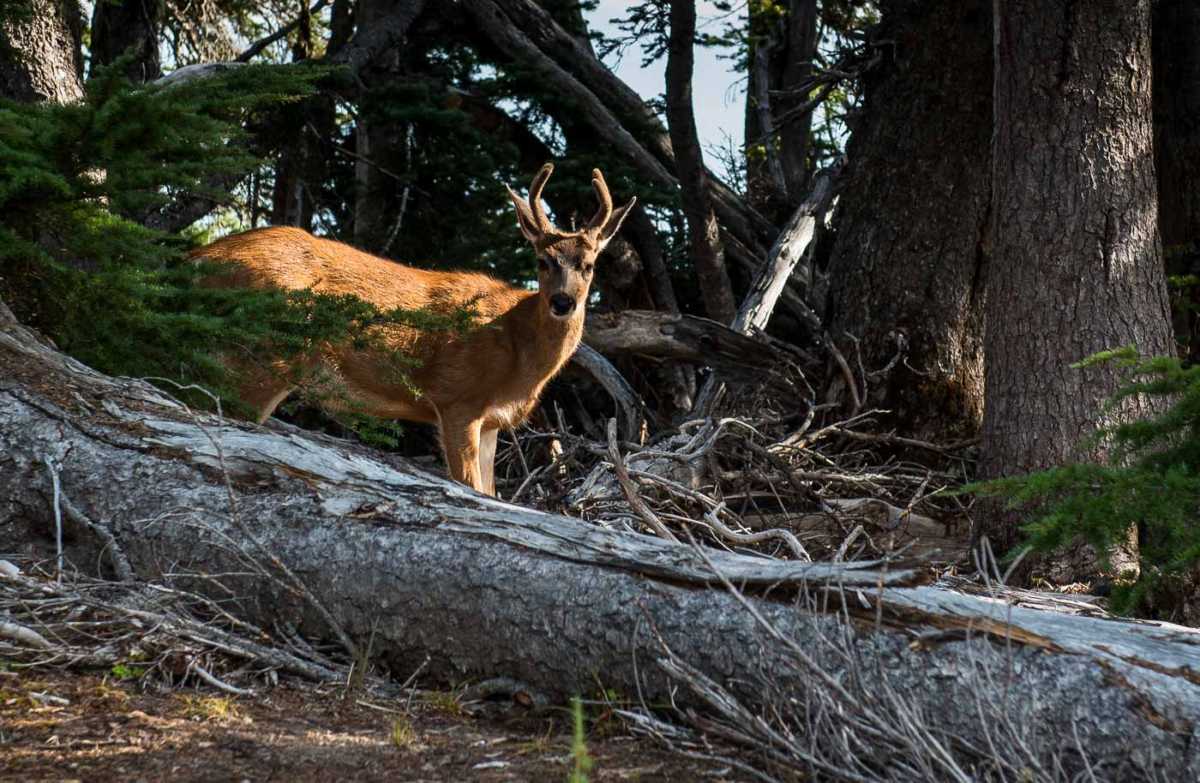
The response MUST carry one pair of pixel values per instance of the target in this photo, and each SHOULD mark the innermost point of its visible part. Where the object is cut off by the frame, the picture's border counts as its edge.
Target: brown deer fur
(469, 385)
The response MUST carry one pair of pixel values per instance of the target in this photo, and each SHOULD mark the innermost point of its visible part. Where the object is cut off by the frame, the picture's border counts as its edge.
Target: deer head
(567, 259)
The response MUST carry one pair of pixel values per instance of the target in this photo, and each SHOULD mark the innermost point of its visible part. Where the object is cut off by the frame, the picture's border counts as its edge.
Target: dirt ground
(65, 726)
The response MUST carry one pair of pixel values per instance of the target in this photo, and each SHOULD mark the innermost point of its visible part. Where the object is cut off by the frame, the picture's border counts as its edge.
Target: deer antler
(606, 203)
(535, 198)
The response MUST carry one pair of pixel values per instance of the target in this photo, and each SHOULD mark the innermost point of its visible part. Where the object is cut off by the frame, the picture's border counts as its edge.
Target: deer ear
(613, 224)
(525, 219)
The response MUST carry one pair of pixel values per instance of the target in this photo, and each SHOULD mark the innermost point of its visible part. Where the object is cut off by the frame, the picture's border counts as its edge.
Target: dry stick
(58, 528)
(753, 538)
(841, 552)
(847, 374)
(212, 680)
(629, 489)
(253, 50)
(716, 507)
(21, 633)
(772, 278)
(101, 530)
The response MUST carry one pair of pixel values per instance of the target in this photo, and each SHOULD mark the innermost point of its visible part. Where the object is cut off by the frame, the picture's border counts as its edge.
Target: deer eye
(587, 269)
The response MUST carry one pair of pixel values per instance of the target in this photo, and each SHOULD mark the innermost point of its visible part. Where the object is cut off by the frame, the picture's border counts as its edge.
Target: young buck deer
(469, 385)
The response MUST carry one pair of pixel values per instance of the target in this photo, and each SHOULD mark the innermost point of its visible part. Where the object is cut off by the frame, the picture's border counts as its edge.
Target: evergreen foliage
(119, 296)
(1150, 480)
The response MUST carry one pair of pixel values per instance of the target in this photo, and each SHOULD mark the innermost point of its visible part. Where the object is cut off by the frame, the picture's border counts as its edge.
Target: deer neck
(547, 342)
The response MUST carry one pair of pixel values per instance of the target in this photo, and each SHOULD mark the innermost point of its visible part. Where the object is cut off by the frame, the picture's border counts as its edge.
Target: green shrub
(1150, 480)
(76, 263)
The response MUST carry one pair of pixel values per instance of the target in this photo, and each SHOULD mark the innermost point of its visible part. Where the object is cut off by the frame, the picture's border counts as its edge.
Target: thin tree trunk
(291, 198)
(906, 263)
(781, 51)
(795, 132)
(1076, 266)
(427, 574)
(40, 57)
(1176, 55)
(128, 26)
(704, 236)
(375, 143)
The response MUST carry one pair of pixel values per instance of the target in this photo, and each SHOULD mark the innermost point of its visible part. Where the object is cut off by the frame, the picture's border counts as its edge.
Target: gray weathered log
(685, 338)
(791, 245)
(771, 281)
(426, 567)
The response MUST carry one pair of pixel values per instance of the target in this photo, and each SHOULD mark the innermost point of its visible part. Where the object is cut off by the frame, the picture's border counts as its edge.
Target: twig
(786, 536)
(255, 48)
(852, 384)
(58, 527)
(630, 490)
(205, 675)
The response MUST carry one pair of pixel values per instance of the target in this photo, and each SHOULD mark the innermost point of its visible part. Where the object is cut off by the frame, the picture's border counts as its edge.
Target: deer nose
(561, 304)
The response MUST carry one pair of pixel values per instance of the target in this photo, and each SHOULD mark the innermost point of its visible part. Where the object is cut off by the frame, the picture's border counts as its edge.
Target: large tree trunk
(906, 265)
(704, 236)
(1076, 265)
(40, 58)
(1176, 30)
(430, 571)
(128, 26)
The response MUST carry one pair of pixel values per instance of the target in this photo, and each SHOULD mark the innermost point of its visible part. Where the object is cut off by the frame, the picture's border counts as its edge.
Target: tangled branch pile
(175, 636)
(815, 481)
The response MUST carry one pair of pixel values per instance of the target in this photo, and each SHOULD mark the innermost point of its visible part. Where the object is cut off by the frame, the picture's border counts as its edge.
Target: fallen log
(684, 338)
(423, 567)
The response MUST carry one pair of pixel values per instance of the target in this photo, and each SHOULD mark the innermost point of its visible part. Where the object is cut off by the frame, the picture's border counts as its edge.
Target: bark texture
(474, 587)
(1076, 265)
(40, 59)
(128, 26)
(1175, 32)
(704, 235)
(906, 264)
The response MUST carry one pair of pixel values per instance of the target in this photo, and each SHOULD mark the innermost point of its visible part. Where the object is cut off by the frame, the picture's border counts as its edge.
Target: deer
(469, 385)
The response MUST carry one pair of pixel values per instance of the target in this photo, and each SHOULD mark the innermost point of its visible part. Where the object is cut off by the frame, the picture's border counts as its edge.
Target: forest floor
(62, 726)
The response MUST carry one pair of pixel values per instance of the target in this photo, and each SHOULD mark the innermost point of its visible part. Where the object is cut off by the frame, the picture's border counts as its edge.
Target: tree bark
(704, 236)
(124, 26)
(40, 58)
(430, 571)
(1175, 31)
(906, 264)
(1076, 266)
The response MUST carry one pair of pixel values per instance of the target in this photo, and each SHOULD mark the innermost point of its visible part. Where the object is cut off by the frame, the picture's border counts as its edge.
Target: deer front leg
(487, 459)
(460, 442)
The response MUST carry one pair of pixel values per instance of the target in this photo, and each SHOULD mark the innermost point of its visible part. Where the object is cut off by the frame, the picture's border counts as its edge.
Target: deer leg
(460, 441)
(487, 459)
(263, 388)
